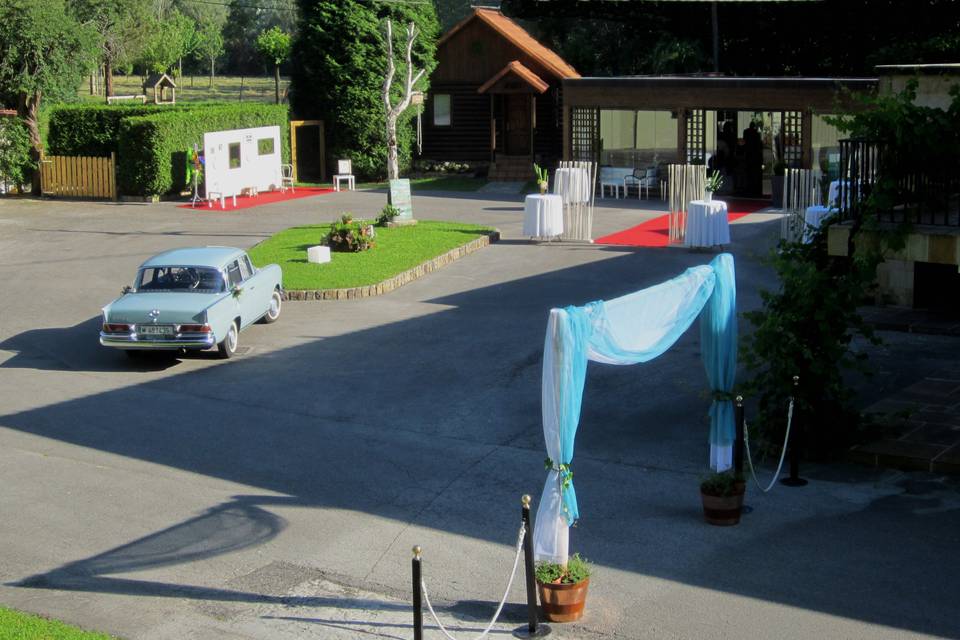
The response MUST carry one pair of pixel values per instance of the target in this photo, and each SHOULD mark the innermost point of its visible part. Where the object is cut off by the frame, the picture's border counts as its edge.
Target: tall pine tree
(339, 61)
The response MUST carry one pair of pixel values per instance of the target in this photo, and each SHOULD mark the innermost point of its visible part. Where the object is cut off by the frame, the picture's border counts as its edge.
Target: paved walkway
(278, 495)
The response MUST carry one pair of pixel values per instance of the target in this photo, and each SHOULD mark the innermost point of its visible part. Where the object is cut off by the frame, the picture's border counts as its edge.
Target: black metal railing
(903, 193)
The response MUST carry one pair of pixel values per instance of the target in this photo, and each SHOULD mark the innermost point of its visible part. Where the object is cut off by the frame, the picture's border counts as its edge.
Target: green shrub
(722, 484)
(349, 236)
(16, 165)
(577, 570)
(152, 148)
(387, 215)
(90, 129)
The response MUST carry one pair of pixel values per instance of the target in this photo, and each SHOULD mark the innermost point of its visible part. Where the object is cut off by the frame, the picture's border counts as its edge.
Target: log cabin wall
(470, 55)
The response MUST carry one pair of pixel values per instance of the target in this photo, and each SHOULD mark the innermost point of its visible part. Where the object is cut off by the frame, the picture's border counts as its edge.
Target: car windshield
(200, 279)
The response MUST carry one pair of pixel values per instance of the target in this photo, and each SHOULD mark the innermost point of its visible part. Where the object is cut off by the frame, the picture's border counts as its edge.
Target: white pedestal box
(318, 254)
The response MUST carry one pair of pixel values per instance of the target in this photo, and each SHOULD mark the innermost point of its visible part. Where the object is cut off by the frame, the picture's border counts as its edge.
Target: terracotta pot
(563, 602)
(723, 510)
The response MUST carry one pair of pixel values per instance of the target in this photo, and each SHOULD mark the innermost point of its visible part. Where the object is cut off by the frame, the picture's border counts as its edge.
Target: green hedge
(152, 148)
(90, 129)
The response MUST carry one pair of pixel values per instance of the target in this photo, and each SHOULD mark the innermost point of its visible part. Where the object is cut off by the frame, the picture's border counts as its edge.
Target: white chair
(344, 172)
(286, 177)
(613, 177)
(641, 179)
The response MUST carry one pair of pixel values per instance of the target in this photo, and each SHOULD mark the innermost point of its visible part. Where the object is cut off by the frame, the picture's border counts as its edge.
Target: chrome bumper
(133, 341)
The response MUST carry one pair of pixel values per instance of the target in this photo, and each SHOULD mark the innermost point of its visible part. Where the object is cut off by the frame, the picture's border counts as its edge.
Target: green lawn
(397, 249)
(22, 626)
(197, 88)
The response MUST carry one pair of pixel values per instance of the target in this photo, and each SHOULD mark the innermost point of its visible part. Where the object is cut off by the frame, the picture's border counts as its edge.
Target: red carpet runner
(267, 197)
(656, 232)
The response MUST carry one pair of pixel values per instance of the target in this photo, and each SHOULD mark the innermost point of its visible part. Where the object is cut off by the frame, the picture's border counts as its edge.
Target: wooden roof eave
(516, 68)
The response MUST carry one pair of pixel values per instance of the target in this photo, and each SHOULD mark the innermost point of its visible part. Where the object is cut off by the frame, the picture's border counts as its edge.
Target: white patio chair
(286, 178)
(344, 172)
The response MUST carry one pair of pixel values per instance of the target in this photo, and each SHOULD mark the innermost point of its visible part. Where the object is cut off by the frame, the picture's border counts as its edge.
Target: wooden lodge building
(496, 96)
(500, 97)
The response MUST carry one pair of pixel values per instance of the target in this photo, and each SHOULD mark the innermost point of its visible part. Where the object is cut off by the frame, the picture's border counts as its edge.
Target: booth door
(308, 153)
(517, 124)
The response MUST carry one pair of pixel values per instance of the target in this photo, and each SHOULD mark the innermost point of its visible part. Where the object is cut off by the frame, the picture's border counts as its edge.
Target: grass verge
(23, 626)
(397, 249)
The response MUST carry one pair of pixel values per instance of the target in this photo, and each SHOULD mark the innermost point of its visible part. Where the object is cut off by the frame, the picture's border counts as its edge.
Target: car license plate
(155, 330)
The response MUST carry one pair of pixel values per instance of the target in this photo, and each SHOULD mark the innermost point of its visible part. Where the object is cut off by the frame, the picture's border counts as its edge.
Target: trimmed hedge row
(152, 149)
(151, 140)
(90, 129)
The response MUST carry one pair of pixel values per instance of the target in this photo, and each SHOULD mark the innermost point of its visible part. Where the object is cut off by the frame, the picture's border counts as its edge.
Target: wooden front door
(517, 119)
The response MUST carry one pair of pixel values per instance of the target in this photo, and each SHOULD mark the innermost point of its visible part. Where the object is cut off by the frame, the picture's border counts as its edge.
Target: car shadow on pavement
(434, 421)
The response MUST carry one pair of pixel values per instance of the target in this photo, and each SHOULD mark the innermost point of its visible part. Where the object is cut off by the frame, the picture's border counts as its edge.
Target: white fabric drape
(628, 330)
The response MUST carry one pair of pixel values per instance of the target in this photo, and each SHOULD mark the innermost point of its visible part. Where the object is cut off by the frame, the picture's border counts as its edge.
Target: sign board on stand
(400, 198)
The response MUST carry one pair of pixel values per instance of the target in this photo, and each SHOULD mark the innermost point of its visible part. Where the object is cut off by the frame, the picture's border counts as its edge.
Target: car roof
(215, 257)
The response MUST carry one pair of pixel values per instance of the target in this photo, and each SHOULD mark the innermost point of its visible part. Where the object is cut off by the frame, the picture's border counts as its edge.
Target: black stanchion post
(417, 596)
(796, 440)
(738, 443)
(533, 628)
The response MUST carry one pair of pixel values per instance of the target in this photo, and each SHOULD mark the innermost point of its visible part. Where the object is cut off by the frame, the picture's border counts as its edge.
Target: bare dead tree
(394, 111)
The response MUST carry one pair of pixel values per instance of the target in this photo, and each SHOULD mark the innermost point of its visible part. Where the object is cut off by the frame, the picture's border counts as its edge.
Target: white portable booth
(241, 160)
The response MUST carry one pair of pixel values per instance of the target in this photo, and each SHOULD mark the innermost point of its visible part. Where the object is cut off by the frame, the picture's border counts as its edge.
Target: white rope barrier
(516, 562)
(783, 452)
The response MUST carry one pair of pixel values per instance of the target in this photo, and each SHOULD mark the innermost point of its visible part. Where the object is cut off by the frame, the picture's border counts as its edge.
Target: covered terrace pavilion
(644, 121)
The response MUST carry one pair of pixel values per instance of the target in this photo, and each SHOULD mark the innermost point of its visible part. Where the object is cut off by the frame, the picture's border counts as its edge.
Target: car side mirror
(127, 289)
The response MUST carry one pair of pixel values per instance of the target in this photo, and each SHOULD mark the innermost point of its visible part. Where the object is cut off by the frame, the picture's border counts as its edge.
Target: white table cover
(812, 218)
(572, 184)
(707, 224)
(833, 199)
(543, 216)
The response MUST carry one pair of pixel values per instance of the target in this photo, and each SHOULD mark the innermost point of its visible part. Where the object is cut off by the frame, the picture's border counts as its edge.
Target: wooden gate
(79, 176)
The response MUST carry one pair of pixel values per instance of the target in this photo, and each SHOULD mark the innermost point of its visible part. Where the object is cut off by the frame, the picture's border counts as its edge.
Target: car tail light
(116, 328)
(195, 328)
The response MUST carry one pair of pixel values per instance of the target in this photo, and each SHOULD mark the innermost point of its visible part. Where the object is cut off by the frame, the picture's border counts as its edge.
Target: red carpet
(267, 197)
(656, 232)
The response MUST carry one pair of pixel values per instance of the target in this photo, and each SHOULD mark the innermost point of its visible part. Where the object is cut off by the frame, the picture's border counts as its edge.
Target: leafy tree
(248, 20)
(339, 62)
(168, 40)
(44, 53)
(120, 27)
(208, 43)
(15, 163)
(274, 45)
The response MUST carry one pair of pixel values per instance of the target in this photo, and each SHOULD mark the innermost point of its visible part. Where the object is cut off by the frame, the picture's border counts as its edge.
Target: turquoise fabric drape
(718, 339)
(645, 325)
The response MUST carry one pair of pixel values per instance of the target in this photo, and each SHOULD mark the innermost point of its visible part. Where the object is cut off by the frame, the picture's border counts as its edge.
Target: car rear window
(199, 279)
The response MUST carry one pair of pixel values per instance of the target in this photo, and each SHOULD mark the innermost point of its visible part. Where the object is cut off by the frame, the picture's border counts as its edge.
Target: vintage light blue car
(196, 298)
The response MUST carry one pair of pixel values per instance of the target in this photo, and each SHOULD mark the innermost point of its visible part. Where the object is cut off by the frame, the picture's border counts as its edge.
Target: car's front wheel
(228, 346)
(273, 312)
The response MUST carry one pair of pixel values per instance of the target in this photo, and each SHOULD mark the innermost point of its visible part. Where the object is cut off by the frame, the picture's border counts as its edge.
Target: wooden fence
(79, 176)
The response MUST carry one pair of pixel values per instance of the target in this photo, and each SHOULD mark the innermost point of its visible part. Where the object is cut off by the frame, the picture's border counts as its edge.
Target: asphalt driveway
(278, 495)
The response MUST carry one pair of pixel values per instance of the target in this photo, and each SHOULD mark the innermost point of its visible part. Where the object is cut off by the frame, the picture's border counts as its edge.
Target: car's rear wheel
(273, 312)
(228, 346)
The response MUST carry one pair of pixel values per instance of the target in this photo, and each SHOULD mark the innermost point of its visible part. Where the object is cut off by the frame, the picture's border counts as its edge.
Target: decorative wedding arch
(631, 329)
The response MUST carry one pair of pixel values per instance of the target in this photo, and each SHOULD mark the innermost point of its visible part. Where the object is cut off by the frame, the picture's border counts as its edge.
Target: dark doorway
(309, 153)
(517, 124)
(936, 288)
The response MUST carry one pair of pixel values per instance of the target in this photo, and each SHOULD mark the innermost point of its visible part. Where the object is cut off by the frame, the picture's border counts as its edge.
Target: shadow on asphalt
(358, 422)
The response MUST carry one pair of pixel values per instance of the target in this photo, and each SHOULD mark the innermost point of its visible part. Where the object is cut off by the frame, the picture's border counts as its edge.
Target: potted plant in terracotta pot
(563, 590)
(722, 495)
